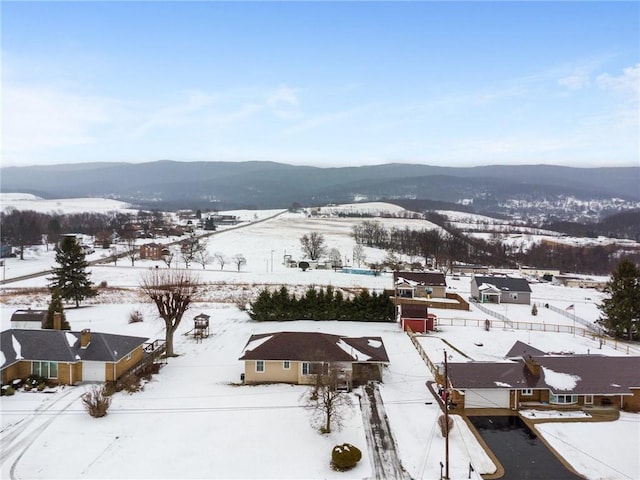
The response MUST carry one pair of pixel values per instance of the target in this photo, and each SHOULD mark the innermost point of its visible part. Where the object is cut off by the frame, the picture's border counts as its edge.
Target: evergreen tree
(71, 278)
(621, 311)
(55, 306)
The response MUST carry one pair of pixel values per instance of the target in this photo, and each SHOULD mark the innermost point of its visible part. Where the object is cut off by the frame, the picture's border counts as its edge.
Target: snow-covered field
(194, 420)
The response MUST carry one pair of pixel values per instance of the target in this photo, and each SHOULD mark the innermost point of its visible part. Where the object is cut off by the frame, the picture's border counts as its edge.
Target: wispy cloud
(575, 81)
(284, 103)
(37, 118)
(628, 83)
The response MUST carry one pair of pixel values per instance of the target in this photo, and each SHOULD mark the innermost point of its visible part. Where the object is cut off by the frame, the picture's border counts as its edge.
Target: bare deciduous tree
(336, 257)
(328, 405)
(172, 291)
(359, 256)
(239, 260)
(203, 257)
(130, 246)
(313, 245)
(220, 258)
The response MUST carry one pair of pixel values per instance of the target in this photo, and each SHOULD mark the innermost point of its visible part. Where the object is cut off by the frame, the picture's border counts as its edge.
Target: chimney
(57, 321)
(85, 338)
(532, 366)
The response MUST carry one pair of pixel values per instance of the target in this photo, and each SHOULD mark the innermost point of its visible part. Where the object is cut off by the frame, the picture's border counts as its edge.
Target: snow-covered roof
(314, 347)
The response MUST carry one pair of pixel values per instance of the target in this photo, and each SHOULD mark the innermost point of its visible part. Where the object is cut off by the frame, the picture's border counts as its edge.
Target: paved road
(382, 447)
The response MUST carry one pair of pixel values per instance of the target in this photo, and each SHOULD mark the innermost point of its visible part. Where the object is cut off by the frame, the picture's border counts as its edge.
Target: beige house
(297, 357)
(65, 357)
(419, 285)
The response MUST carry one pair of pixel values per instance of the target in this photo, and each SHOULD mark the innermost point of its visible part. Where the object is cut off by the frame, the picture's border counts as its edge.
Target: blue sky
(321, 83)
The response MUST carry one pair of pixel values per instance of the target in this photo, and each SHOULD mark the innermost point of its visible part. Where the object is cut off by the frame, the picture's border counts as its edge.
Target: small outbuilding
(416, 318)
(28, 319)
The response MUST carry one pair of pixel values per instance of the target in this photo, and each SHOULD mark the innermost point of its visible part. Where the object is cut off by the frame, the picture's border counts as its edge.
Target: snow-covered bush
(345, 457)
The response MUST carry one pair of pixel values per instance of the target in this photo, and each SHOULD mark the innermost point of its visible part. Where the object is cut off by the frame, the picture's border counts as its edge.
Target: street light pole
(446, 417)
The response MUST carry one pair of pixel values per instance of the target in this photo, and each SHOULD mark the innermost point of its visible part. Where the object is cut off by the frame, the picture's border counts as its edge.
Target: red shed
(416, 318)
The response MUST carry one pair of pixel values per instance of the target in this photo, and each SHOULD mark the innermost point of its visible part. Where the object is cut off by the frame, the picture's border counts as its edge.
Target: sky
(321, 83)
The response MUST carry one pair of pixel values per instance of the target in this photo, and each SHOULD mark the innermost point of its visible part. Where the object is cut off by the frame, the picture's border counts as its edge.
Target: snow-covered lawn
(194, 420)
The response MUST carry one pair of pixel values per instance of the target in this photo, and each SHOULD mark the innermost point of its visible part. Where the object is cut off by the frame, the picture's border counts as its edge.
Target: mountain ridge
(278, 185)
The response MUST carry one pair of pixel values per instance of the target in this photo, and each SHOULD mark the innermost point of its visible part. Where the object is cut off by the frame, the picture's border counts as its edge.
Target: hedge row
(321, 304)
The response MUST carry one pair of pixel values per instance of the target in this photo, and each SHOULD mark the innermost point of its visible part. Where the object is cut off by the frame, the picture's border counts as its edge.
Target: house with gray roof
(297, 357)
(500, 289)
(66, 357)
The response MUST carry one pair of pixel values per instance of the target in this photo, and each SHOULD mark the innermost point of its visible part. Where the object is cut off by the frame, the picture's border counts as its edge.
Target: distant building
(500, 289)
(151, 251)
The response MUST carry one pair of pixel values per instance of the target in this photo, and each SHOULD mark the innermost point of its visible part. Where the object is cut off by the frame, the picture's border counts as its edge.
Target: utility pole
(446, 417)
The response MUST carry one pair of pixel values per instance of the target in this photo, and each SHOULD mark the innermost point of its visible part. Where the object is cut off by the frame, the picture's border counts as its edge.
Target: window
(286, 364)
(306, 368)
(260, 366)
(129, 357)
(588, 399)
(45, 369)
(526, 392)
(563, 399)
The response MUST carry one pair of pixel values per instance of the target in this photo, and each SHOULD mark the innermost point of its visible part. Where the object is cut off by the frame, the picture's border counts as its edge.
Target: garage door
(490, 398)
(93, 372)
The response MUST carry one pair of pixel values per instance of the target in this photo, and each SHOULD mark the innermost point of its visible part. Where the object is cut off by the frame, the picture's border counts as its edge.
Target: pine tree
(71, 278)
(55, 306)
(621, 311)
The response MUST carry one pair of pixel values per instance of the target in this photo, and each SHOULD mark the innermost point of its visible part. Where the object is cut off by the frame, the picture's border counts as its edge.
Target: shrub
(136, 317)
(534, 310)
(41, 386)
(345, 457)
(442, 423)
(27, 387)
(130, 383)
(35, 380)
(304, 266)
(96, 401)
(103, 284)
(8, 390)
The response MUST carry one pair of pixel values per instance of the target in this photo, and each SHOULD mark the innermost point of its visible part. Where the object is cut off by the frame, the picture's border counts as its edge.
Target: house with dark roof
(500, 289)
(546, 381)
(66, 357)
(28, 319)
(297, 357)
(419, 284)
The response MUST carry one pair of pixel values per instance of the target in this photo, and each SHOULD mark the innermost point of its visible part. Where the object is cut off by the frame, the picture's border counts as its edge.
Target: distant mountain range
(227, 185)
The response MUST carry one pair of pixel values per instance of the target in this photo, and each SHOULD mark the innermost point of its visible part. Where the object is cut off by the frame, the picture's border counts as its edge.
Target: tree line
(441, 247)
(22, 228)
(321, 304)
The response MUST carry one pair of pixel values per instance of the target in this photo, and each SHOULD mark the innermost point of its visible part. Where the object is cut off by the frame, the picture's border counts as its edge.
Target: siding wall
(274, 372)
